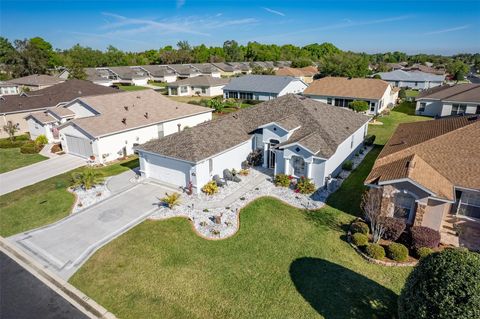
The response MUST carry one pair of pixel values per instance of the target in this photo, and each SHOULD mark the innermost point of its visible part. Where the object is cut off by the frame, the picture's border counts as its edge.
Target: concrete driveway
(65, 245)
(28, 175)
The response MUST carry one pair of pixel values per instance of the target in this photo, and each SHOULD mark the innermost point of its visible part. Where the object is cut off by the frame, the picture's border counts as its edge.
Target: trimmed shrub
(347, 165)
(255, 158)
(30, 148)
(41, 140)
(423, 252)
(394, 227)
(282, 180)
(397, 252)
(359, 106)
(56, 148)
(210, 188)
(421, 236)
(359, 239)
(171, 200)
(375, 251)
(359, 227)
(443, 285)
(369, 139)
(304, 186)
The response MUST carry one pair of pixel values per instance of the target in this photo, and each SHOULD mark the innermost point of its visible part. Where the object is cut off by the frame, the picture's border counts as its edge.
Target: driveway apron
(64, 246)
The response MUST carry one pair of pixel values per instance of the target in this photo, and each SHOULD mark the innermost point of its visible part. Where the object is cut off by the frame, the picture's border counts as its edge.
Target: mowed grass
(283, 263)
(132, 87)
(45, 202)
(402, 113)
(11, 158)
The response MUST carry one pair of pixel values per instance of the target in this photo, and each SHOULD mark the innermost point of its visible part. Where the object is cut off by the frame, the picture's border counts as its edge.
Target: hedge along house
(431, 170)
(296, 135)
(198, 86)
(262, 87)
(340, 91)
(14, 108)
(107, 127)
(449, 100)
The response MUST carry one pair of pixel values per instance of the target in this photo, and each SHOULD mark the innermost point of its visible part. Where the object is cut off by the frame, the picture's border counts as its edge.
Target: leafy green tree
(457, 69)
(344, 64)
(300, 63)
(115, 57)
(216, 104)
(318, 51)
(444, 285)
(359, 106)
(233, 52)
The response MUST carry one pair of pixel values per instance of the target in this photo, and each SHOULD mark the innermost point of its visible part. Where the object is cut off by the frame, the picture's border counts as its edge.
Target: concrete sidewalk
(29, 175)
(64, 246)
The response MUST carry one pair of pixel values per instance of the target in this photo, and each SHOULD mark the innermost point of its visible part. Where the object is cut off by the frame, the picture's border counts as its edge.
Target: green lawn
(11, 158)
(412, 93)
(159, 84)
(283, 263)
(131, 87)
(400, 114)
(44, 202)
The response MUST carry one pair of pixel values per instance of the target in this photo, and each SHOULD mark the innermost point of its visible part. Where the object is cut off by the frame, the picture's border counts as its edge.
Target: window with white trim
(458, 109)
(403, 205)
(469, 204)
(422, 107)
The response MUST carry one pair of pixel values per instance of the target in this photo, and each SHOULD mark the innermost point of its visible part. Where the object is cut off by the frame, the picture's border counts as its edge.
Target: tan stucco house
(432, 171)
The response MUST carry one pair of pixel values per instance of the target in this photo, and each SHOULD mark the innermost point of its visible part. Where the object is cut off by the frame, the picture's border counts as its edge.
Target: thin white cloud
(462, 27)
(180, 3)
(274, 11)
(125, 26)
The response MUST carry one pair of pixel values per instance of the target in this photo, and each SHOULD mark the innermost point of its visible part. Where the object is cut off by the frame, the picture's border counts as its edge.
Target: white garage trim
(79, 146)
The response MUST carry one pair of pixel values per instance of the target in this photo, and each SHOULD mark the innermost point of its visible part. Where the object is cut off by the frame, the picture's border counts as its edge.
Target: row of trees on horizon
(37, 56)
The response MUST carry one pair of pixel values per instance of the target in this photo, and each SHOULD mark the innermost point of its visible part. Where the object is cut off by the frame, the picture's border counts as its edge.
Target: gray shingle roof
(259, 83)
(415, 76)
(201, 80)
(467, 92)
(322, 129)
(37, 80)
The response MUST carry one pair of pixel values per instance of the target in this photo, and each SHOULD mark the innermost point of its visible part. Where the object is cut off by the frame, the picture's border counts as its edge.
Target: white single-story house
(227, 69)
(160, 73)
(296, 135)
(106, 127)
(340, 91)
(108, 76)
(412, 79)
(446, 100)
(262, 87)
(184, 71)
(207, 69)
(14, 108)
(202, 85)
(7, 88)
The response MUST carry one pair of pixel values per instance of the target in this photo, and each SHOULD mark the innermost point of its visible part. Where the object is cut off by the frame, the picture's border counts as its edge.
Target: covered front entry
(79, 146)
(271, 153)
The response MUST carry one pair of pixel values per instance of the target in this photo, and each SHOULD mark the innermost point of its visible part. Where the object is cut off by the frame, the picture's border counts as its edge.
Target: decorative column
(309, 169)
(420, 211)
(287, 166)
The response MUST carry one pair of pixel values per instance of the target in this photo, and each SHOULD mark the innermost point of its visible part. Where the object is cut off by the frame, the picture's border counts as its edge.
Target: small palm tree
(171, 200)
(87, 178)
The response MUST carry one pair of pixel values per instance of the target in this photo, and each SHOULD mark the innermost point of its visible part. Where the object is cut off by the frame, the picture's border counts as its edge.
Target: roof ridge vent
(126, 107)
(124, 120)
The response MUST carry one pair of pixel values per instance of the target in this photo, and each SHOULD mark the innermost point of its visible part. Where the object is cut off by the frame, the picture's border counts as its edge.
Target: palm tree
(87, 178)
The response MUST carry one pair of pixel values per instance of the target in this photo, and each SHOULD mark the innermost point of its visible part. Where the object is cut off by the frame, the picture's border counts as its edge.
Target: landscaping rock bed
(88, 197)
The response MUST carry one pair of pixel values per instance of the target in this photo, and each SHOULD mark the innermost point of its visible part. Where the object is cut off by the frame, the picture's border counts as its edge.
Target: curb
(77, 298)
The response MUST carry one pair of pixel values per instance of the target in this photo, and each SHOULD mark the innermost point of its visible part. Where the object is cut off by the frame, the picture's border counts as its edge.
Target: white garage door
(167, 170)
(79, 146)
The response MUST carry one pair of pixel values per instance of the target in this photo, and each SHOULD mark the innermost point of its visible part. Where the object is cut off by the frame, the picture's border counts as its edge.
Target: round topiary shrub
(397, 252)
(443, 285)
(424, 237)
(359, 239)
(375, 251)
(423, 252)
(359, 227)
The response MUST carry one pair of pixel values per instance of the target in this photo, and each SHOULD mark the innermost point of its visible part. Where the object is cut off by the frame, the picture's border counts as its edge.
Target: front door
(271, 153)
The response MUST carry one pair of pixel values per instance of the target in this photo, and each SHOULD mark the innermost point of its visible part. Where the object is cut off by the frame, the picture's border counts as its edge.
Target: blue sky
(444, 27)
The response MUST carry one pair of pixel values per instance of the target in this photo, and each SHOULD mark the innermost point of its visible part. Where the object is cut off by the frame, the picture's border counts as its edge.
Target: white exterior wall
(140, 82)
(171, 127)
(9, 90)
(420, 85)
(344, 150)
(35, 128)
(166, 170)
(439, 108)
(72, 131)
(294, 87)
(323, 99)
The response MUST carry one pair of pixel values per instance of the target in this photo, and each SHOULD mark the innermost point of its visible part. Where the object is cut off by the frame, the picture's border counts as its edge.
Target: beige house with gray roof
(296, 135)
(106, 127)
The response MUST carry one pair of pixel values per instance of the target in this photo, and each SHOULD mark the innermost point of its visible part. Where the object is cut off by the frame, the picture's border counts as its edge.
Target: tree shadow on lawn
(337, 292)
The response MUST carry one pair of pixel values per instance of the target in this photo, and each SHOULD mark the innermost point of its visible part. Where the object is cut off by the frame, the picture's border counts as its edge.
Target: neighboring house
(106, 127)
(431, 170)
(283, 64)
(36, 82)
(7, 88)
(227, 70)
(160, 73)
(426, 69)
(130, 75)
(101, 76)
(340, 91)
(305, 74)
(449, 100)
(184, 71)
(298, 137)
(264, 65)
(199, 86)
(15, 108)
(262, 87)
(413, 80)
(207, 69)
(244, 67)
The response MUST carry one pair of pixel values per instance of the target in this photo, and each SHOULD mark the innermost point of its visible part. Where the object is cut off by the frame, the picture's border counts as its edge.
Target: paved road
(474, 79)
(64, 246)
(23, 296)
(28, 175)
